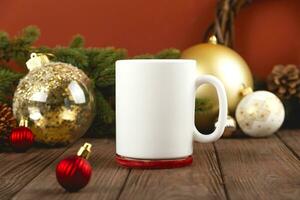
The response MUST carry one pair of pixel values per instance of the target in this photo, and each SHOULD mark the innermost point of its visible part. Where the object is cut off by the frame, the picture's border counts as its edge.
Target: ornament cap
(246, 90)
(230, 127)
(23, 122)
(37, 60)
(85, 150)
(213, 39)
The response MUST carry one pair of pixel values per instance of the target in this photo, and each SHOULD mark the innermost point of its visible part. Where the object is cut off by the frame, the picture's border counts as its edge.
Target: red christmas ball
(21, 138)
(73, 173)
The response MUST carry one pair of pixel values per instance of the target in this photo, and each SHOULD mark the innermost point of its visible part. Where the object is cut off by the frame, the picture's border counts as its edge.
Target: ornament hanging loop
(37, 60)
(33, 55)
(245, 90)
(85, 150)
(23, 122)
(213, 39)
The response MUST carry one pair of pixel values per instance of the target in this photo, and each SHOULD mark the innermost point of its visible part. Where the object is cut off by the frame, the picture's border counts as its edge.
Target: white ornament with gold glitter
(260, 114)
(56, 98)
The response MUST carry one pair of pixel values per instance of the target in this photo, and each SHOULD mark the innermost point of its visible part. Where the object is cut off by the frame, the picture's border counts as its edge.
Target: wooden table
(240, 168)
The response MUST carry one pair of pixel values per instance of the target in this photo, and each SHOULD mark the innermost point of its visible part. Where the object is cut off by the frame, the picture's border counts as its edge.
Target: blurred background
(266, 33)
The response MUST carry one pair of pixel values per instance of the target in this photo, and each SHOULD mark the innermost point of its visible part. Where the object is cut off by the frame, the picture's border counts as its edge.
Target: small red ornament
(74, 172)
(21, 138)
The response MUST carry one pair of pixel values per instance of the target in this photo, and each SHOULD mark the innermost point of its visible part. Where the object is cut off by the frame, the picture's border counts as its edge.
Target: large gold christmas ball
(58, 102)
(228, 66)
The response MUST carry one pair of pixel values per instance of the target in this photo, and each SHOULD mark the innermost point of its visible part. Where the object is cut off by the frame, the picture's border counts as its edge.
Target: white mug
(155, 106)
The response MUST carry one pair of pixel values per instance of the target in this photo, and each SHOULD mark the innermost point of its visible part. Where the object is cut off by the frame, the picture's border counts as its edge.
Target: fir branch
(104, 117)
(69, 55)
(203, 105)
(105, 113)
(28, 36)
(103, 58)
(21, 45)
(77, 42)
(8, 80)
(4, 46)
(103, 130)
(144, 56)
(164, 54)
(106, 78)
(168, 54)
(72, 56)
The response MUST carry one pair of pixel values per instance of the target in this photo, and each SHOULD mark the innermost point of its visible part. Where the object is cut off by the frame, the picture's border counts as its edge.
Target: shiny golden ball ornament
(260, 114)
(228, 66)
(230, 127)
(57, 100)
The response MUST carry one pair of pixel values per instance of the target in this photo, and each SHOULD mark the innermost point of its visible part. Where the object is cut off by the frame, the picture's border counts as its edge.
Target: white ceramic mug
(155, 103)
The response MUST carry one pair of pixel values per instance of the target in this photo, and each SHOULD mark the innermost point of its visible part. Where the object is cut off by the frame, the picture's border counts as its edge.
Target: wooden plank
(17, 169)
(259, 168)
(292, 140)
(106, 183)
(201, 180)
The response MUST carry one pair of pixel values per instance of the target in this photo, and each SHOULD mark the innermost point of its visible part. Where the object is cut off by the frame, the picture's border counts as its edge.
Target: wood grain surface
(18, 169)
(201, 180)
(107, 178)
(234, 168)
(259, 168)
(292, 140)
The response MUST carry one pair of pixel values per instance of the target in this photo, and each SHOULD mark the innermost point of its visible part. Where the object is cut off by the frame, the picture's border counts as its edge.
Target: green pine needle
(77, 42)
(8, 80)
(203, 105)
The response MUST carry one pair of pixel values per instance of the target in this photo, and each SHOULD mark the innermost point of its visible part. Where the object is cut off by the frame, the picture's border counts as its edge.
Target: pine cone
(7, 122)
(284, 81)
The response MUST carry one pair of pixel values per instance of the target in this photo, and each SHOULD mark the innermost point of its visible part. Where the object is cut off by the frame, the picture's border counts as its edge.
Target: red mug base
(153, 164)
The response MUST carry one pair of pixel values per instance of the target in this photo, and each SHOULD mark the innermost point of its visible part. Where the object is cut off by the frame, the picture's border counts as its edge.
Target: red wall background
(267, 31)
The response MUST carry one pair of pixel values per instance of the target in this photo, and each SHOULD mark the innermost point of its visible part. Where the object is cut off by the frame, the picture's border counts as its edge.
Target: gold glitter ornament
(57, 100)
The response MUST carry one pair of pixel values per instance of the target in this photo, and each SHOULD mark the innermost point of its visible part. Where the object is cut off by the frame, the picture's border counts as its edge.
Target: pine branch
(168, 54)
(203, 105)
(69, 55)
(144, 56)
(8, 80)
(103, 58)
(4, 46)
(106, 78)
(21, 46)
(77, 42)
(28, 36)
(105, 116)
(164, 54)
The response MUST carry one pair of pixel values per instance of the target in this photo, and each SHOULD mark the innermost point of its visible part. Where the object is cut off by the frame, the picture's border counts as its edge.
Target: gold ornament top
(213, 39)
(23, 122)
(245, 90)
(37, 60)
(85, 150)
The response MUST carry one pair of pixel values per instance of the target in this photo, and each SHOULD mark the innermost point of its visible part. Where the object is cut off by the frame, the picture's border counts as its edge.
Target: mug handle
(220, 126)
